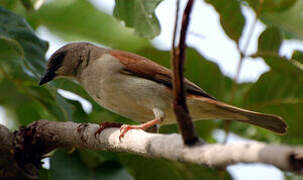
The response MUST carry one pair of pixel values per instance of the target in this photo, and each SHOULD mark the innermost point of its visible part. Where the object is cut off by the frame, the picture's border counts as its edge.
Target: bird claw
(124, 129)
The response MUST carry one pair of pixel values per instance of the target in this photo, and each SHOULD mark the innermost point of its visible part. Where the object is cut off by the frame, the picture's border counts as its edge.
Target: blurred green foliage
(140, 15)
(232, 20)
(22, 61)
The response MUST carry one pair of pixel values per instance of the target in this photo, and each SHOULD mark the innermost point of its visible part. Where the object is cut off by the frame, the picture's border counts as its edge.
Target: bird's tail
(205, 108)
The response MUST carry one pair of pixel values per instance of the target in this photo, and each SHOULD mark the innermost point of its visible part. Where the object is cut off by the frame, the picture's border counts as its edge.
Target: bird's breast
(126, 95)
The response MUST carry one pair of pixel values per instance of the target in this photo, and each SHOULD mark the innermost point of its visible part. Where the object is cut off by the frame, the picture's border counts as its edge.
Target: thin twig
(243, 55)
(185, 123)
(197, 35)
(175, 28)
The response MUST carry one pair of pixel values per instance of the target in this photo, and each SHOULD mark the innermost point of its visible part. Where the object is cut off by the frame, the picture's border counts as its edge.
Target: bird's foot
(125, 128)
(104, 125)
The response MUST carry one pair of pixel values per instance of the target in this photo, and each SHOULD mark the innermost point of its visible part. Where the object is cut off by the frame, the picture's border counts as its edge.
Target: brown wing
(145, 68)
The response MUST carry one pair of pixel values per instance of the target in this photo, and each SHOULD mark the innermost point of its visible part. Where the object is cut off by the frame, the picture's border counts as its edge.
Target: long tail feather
(204, 108)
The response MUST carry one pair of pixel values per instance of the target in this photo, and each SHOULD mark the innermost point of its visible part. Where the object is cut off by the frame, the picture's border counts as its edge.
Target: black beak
(48, 76)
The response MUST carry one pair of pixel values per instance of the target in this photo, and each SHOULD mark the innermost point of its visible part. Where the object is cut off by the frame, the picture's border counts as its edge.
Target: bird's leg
(104, 125)
(159, 116)
(125, 128)
(153, 129)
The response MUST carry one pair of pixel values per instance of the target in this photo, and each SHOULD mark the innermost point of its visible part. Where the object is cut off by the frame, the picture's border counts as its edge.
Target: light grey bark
(69, 134)
(50, 135)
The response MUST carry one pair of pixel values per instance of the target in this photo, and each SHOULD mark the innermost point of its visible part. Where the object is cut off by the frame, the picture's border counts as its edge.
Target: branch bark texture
(9, 166)
(48, 135)
(184, 120)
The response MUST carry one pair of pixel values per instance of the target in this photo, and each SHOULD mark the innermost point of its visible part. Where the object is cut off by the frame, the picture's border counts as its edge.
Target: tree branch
(9, 168)
(184, 120)
(48, 135)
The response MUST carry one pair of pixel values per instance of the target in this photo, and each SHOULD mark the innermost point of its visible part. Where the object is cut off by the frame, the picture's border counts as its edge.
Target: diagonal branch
(178, 58)
(47, 135)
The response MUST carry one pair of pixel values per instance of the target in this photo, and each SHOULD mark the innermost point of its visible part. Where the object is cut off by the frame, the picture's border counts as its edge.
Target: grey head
(67, 61)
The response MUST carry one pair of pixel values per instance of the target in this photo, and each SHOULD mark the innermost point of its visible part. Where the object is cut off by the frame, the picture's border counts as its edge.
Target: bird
(140, 89)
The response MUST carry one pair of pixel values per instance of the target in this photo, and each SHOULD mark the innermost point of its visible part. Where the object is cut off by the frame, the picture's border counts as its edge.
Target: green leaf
(27, 4)
(111, 171)
(231, 17)
(272, 5)
(287, 21)
(282, 65)
(32, 4)
(93, 159)
(291, 176)
(67, 166)
(298, 56)
(9, 4)
(140, 15)
(14, 29)
(155, 168)
(24, 112)
(148, 168)
(78, 114)
(83, 21)
(52, 101)
(270, 41)
(22, 60)
(197, 172)
(279, 92)
(31, 102)
(10, 49)
(44, 174)
(280, 5)
(70, 166)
